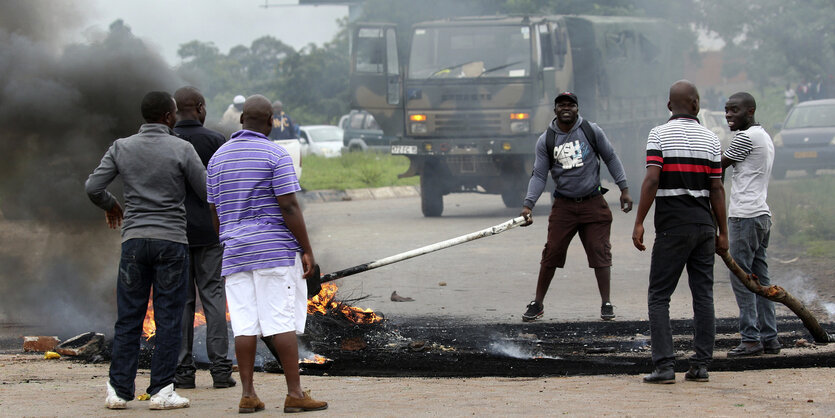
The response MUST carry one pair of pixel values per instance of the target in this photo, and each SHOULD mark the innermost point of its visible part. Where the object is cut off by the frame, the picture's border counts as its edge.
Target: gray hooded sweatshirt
(576, 169)
(155, 167)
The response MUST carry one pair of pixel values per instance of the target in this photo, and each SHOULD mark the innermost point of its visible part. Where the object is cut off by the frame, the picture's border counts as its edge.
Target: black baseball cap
(567, 95)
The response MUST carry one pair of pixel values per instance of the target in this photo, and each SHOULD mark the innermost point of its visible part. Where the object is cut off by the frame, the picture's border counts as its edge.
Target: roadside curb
(322, 196)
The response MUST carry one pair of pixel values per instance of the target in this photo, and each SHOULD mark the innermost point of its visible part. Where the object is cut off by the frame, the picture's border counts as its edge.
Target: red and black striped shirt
(689, 156)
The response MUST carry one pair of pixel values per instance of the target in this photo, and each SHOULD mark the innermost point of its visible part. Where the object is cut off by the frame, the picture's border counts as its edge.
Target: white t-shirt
(753, 154)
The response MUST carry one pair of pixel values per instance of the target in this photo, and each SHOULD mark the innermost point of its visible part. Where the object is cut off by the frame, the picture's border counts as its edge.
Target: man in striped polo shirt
(751, 152)
(684, 178)
(251, 188)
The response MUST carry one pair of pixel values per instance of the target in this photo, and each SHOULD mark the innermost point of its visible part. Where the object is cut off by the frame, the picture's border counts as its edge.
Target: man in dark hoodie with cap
(571, 149)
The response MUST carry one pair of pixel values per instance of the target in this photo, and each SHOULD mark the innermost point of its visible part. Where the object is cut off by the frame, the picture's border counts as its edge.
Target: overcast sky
(169, 23)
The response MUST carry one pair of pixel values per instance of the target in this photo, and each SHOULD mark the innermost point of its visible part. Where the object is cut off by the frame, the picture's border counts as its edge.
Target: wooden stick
(778, 294)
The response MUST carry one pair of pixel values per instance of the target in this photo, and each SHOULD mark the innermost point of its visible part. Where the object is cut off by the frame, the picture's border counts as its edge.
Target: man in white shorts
(251, 188)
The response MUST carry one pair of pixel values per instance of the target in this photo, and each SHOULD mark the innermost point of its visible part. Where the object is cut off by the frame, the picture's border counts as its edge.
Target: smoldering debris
(830, 310)
(803, 287)
(418, 348)
(513, 350)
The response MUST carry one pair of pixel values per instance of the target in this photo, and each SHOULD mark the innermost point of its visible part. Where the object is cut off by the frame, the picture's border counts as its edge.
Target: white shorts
(267, 301)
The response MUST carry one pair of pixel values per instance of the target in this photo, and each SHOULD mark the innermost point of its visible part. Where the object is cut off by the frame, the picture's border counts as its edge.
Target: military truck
(468, 100)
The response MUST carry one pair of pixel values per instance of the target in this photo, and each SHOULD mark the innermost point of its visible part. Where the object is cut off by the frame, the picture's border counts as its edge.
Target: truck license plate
(806, 154)
(404, 149)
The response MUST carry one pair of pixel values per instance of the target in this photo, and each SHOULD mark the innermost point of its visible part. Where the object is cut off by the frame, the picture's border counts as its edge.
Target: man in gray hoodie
(155, 167)
(571, 149)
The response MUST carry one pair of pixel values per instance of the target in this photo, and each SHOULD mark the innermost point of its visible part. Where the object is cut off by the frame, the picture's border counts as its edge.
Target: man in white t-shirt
(751, 152)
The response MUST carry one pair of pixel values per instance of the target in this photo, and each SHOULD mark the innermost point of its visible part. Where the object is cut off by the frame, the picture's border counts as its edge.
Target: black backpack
(551, 139)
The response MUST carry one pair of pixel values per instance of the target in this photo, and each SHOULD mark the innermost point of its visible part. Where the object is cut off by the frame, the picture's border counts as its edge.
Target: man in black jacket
(205, 254)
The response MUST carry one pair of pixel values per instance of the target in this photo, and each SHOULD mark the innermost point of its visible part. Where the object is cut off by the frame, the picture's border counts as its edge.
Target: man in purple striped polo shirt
(251, 188)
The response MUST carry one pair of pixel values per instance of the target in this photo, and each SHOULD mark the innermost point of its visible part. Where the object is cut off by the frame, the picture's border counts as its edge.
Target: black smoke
(61, 105)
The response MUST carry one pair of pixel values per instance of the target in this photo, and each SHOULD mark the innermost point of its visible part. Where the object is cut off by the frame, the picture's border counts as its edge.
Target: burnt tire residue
(429, 347)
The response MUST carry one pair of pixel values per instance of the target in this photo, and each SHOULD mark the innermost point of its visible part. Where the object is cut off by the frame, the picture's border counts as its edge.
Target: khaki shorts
(267, 301)
(591, 218)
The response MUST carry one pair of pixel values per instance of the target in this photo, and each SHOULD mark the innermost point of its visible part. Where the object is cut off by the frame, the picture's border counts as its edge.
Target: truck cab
(468, 100)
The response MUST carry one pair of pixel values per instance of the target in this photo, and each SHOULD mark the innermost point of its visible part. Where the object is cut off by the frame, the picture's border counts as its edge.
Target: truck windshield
(470, 52)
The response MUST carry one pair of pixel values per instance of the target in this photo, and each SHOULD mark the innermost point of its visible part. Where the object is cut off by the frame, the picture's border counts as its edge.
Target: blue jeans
(691, 246)
(147, 263)
(748, 238)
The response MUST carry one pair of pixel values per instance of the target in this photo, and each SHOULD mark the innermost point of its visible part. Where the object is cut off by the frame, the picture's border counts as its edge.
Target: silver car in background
(806, 140)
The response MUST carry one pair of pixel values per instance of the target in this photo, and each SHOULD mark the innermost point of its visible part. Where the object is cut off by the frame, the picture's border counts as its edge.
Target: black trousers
(690, 246)
(205, 279)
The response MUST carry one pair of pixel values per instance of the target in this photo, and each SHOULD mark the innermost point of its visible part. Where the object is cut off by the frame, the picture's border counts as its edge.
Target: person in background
(788, 97)
(205, 254)
(231, 119)
(155, 167)
(283, 126)
(570, 151)
(252, 192)
(751, 153)
(684, 179)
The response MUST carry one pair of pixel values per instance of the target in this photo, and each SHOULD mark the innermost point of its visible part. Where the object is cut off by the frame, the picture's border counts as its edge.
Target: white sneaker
(113, 400)
(167, 398)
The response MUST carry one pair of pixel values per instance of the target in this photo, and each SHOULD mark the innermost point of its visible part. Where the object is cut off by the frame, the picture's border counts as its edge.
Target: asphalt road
(491, 279)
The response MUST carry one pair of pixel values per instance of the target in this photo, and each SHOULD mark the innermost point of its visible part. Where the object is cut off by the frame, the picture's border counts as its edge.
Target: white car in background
(294, 148)
(321, 140)
(715, 121)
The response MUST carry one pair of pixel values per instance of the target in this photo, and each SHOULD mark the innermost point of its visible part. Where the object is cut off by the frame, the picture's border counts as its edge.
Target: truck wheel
(431, 197)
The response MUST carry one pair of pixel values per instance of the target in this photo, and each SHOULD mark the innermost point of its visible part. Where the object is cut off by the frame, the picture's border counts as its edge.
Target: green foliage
(803, 210)
(821, 249)
(774, 38)
(312, 83)
(354, 170)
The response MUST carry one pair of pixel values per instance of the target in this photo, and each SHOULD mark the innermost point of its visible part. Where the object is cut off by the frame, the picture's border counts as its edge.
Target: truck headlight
(419, 128)
(519, 127)
(778, 139)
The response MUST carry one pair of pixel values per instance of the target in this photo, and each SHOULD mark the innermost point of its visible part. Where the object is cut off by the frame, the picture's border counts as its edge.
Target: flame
(317, 359)
(149, 327)
(323, 303)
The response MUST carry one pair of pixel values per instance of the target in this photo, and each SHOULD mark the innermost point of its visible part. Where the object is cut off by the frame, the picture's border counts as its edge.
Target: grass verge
(803, 211)
(355, 171)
